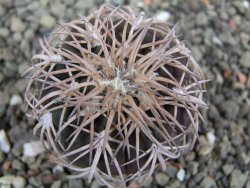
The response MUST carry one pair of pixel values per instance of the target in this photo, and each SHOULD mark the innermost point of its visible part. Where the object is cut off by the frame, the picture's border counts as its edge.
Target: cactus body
(115, 94)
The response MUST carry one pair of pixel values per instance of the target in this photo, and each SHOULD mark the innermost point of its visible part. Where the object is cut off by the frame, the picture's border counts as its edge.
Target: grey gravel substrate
(218, 34)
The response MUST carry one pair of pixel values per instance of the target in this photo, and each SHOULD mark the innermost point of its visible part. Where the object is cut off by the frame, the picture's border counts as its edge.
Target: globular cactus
(115, 94)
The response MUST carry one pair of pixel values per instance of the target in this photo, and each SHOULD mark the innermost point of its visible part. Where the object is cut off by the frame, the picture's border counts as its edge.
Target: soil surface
(218, 35)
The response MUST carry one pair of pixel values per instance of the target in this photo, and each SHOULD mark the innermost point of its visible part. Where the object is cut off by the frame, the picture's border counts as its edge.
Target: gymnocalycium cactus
(115, 94)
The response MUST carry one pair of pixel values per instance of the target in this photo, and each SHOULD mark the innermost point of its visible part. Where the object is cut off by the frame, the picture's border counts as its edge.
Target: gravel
(227, 168)
(17, 25)
(217, 32)
(58, 170)
(56, 184)
(181, 174)
(238, 179)
(2, 157)
(16, 100)
(211, 138)
(163, 16)
(193, 167)
(76, 183)
(161, 179)
(29, 34)
(15, 181)
(17, 165)
(171, 171)
(33, 6)
(58, 9)
(4, 142)
(201, 19)
(208, 182)
(32, 149)
(95, 184)
(80, 5)
(19, 182)
(47, 21)
(230, 109)
(244, 59)
(2, 11)
(4, 32)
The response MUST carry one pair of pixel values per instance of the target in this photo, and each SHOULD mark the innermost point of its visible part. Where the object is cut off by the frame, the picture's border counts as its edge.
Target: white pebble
(246, 4)
(31, 149)
(163, 16)
(15, 100)
(211, 138)
(4, 142)
(181, 174)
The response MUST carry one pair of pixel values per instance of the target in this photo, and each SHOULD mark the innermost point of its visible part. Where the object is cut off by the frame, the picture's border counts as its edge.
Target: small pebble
(16, 100)
(17, 25)
(76, 183)
(193, 167)
(207, 182)
(29, 34)
(6, 165)
(16, 164)
(32, 172)
(163, 16)
(58, 9)
(7, 180)
(175, 184)
(238, 179)
(161, 179)
(171, 171)
(48, 179)
(95, 184)
(197, 53)
(202, 19)
(4, 142)
(6, 54)
(19, 182)
(83, 5)
(245, 59)
(70, 2)
(44, 3)
(17, 36)
(246, 3)
(33, 6)
(58, 169)
(56, 184)
(245, 157)
(35, 181)
(230, 109)
(31, 149)
(227, 168)
(211, 138)
(2, 11)
(4, 32)
(181, 174)
(47, 21)
(145, 182)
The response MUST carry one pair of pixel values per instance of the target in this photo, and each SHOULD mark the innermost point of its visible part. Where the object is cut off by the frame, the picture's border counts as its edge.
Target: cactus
(115, 94)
